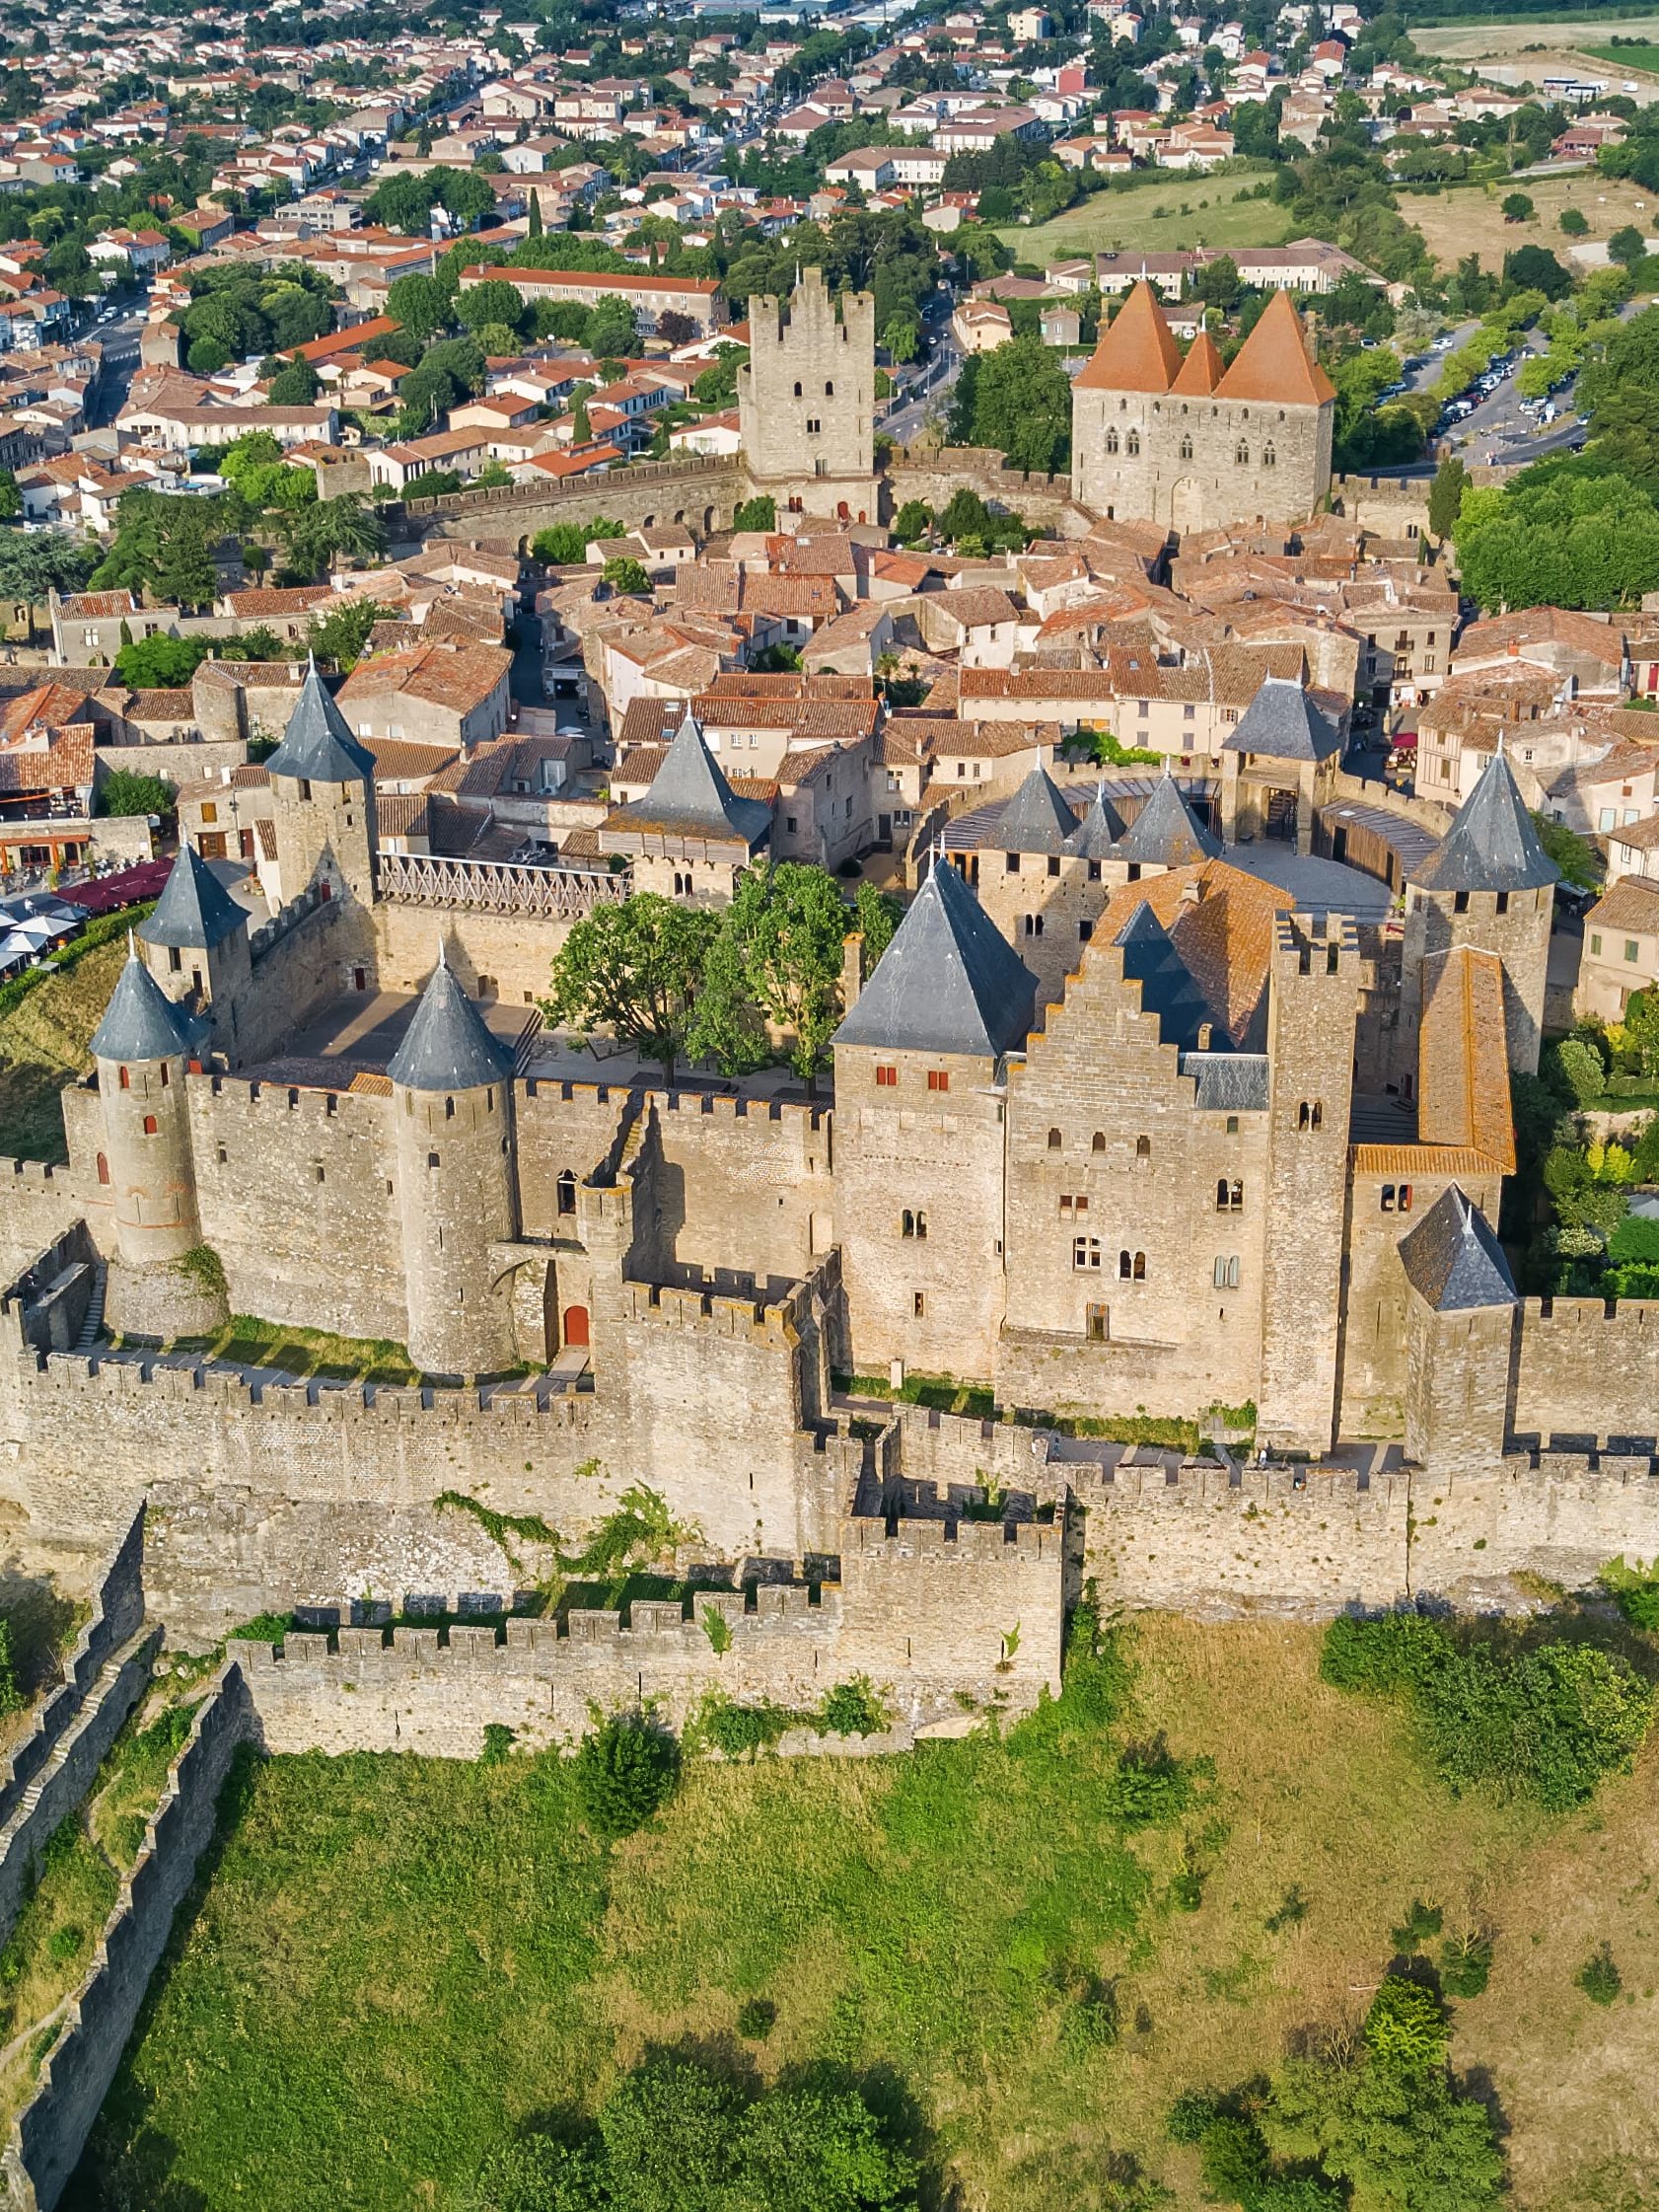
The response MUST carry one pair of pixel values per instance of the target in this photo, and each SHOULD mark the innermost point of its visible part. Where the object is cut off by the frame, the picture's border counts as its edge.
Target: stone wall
(37, 1204)
(515, 951)
(49, 2135)
(1046, 501)
(1584, 1370)
(1199, 464)
(701, 493)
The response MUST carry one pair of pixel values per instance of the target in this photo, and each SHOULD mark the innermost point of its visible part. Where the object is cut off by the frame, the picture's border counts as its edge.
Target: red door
(575, 1326)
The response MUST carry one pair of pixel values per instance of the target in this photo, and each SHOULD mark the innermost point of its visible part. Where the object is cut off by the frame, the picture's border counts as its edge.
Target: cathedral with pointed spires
(1194, 444)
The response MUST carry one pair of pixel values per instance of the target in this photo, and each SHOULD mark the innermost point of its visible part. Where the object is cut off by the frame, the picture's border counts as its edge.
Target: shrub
(1466, 1963)
(1406, 2027)
(1380, 1656)
(756, 2017)
(739, 1730)
(1634, 1590)
(498, 1742)
(1598, 1978)
(758, 513)
(1233, 2158)
(1421, 1922)
(10, 1694)
(1149, 1787)
(852, 1709)
(1192, 2116)
(1581, 1068)
(625, 1770)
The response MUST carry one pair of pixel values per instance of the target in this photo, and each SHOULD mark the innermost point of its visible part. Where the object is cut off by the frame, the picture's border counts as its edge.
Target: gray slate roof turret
(1491, 845)
(141, 1022)
(1166, 833)
(318, 745)
(1453, 1259)
(447, 1046)
(194, 909)
(950, 982)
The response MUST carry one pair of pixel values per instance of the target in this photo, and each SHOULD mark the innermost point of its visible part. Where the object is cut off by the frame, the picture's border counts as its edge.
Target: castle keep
(1187, 442)
(807, 400)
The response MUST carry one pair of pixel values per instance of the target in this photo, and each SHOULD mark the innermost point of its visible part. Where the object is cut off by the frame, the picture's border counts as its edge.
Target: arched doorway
(575, 1327)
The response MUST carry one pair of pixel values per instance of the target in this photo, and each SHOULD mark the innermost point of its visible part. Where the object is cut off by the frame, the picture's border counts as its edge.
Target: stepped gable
(1166, 833)
(950, 982)
(1137, 352)
(1167, 987)
(141, 1022)
(1453, 1259)
(1202, 371)
(1491, 845)
(690, 796)
(446, 1046)
(318, 746)
(1096, 835)
(1222, 924)
(194, 909)
(1273, 363)
(1283, 722)
(1037, 819)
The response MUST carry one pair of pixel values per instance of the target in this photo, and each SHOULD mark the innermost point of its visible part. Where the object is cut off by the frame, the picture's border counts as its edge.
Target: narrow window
(149, 1125)
(1503, 902)
(1123, 1265)
(1097, 1324)
(1269, 459)
(1405, 1198)
(938, 1079)
(1131, 445)
(1185, 446)
(1317, 1115)
(919, 1305)
(1111, 441)
(431, 1160)
(887, 1079)
(1099, 1144)
(166, 1076)
(1143, 1147)
(829, 391)
(1232, 1125)
(1304, 1114)
(1221, 1196)
(1460, 902)
(126, 1080)
(1085, 1253)
(449, 1109)
(1241, 454)
(175, 960)
(567, 1192)
(1054, 1141)
(1140, 1267)
(1219, 1276)
(103, 1168)
(1388, 1198)
(797, 391)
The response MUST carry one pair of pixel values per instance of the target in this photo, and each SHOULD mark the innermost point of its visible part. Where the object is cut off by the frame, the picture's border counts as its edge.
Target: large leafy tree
(342, 529)
(420, 304)
(634, 968)
(789, 926)
(42, 562)
(1017, 400)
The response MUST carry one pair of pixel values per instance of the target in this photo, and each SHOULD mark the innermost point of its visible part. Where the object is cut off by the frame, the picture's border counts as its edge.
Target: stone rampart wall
(1585, 1369)
(50, 2132)
(37, 1206)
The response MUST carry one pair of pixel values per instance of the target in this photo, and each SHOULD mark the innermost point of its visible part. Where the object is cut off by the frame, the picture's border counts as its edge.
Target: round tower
(142, 1048)
(452, 1101)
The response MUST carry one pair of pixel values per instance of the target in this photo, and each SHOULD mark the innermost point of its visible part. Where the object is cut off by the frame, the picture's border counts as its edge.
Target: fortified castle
(1182, 440)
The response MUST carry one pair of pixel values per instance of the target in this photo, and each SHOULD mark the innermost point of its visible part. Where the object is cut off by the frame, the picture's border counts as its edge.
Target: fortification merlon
(979, 1543)
(955, 1448)
(32, 1175)
(319, 1102)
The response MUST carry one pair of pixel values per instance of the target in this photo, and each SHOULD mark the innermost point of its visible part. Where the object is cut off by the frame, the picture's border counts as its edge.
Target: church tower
(807, 400)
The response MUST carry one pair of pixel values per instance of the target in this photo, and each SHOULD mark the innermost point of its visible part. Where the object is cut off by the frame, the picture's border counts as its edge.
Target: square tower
(807, 400)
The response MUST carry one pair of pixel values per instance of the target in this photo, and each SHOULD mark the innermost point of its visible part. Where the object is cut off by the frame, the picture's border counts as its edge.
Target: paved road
(120, 359)
(937, 377)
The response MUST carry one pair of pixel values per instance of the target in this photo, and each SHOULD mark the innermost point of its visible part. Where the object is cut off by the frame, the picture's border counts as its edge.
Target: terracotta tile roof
(1631, 903)
(1225, 937)
(1274, 364)
(49, 758)
(401, 814)
(1202, 371)
(457, 678)
(396, 758)
(1419, 1159)
(160, 706)
(90, 606)
(1094, 683)
(1462, 1062)
(1137, 352)
(297, 601)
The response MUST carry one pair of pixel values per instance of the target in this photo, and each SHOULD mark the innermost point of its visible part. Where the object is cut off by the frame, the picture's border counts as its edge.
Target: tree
(625, 1770)
(877, 915)
(1574, 222)
(912, 522)
(185, 570)
(539, 2174)
(160, 663)
(633, 967)
(342, 529)
(34, 564)
(564, 545)
(675, 328)
(758, 513)
(581, 422)
(10, 498)
(1445, 497)
(903, 337)
(493, 301)
(1017, 400)
(1534, 268)
(790, 926)
(125, 793)
(1517, 208)
(1626, 246)
(420, 304)
(625, 575)
(809, 2150)
(296, 386)
(340, 635)
(1402, 2140)
(611, 329)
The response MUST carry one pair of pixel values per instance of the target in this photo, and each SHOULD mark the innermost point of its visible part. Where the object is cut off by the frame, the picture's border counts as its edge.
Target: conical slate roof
(141, 1022)
(1096, 835)
(1491, 845)
(194, 908)
(691, 797)
(1283, 722)
(1037, 818)
(446, 1046)
(318, 744)
(950, 982)
(1167, 989)
(1453, 1259)
(1166, 833)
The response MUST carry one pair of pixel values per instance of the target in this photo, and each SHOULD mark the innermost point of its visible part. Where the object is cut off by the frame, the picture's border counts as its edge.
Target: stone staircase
(92, 1328)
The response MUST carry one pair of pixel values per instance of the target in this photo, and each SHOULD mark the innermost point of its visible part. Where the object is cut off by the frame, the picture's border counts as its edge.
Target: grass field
(1469, 218)
(1158, 214)
(1501, 40)
(396, 1960)
(1643, 59)
(44, 1046)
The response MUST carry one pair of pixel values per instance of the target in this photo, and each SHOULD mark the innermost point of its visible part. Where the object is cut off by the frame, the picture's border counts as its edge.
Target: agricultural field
(1158, 215)
(1534, 39)
(1469, 218)
(394, 1961)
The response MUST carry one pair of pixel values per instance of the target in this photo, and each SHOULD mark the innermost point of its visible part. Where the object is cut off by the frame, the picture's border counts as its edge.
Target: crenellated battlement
(307, 1101)
(714, 1313)
(975, 1543)
(32, 1175)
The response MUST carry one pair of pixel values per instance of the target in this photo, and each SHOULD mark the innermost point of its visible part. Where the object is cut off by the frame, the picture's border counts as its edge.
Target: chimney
(852, 969)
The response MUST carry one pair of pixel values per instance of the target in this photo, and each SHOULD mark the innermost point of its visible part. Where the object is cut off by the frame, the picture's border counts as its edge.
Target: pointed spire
(1273, 363)
(1096, 835)
(1453, 1260)
(1491, 845)
(1166, 986)
(318, 746)
(1137, 352)
(1037, 819)
(141, 1022)
(1282, 723)
(690, 796)
(446, 1046)
(195, 909)
(1166, 833)
(950, 982)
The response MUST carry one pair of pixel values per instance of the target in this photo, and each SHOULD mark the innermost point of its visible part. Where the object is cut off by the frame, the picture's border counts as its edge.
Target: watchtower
(195, 945)
(451, 1100)
(807, 400)
(141, 1049)
(1460, 1335)
(323, 785)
